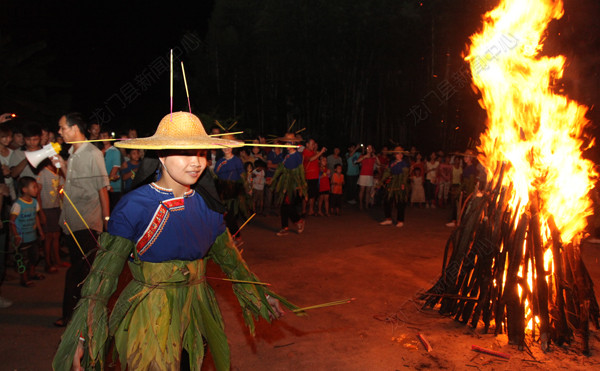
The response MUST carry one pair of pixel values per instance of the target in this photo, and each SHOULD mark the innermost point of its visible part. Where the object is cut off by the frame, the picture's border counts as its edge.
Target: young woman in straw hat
(395, 180)
(163, 230)
(290, 185)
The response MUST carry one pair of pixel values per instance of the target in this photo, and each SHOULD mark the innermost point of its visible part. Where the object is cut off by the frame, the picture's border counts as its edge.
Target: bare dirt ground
(350, 256)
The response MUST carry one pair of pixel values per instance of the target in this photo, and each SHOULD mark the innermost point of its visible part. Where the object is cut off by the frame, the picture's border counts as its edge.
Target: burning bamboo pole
(494, 251)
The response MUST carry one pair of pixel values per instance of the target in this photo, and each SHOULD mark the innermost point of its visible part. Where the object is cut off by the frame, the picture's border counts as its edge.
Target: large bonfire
(515, 261)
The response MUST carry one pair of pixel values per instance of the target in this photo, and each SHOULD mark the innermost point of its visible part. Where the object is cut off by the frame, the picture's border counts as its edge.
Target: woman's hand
(276, 308)
(77, 358)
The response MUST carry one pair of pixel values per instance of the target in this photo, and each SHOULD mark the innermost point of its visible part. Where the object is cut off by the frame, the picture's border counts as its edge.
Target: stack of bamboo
(480, 280)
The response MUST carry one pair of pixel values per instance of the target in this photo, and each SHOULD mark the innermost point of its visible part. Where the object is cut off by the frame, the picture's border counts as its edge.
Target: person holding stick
(166, 231)
(85, 211)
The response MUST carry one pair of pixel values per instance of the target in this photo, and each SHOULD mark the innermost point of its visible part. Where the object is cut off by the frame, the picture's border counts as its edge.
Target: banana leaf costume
(289, 178)
(395, 179)
(166, 241)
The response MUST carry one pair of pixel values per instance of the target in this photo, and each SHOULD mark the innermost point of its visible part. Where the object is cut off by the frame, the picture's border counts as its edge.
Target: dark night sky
(97, 47)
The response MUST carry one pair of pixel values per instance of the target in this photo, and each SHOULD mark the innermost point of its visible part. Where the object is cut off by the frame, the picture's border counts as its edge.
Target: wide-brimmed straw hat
(290, 137)
(179, 130)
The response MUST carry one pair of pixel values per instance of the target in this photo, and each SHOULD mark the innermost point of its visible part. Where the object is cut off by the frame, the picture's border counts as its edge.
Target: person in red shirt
(365, 180)
(337, 183)
(310, 161)
(324, 186)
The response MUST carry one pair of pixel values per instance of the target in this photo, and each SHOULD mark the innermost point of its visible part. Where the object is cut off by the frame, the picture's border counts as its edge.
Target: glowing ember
(537, 131)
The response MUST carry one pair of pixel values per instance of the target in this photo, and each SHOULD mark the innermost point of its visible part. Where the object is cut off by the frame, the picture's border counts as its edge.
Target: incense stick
(301, 130)
(232, 125)
(239, 281)
(78, 213)
(330, 304)
(223, 134)
(187, 93)
(219, 125)
(290, 128)
(77, 242)
(75, 208)
(94, 140)
(171, 85)
(271, 145)
(243, 225)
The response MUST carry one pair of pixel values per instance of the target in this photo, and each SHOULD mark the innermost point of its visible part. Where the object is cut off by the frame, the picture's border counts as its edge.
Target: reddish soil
(350, 256)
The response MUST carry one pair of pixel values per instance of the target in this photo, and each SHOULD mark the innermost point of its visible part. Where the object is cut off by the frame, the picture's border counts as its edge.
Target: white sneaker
(451, 224)
(5, 303)
(400, 224)
(386, 222)
(352, 202)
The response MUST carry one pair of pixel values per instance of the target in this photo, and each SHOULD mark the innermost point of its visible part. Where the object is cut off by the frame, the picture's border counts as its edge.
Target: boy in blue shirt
(24, 221)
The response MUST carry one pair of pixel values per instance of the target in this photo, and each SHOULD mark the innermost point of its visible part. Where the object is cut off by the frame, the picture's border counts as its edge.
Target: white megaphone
(50, 150)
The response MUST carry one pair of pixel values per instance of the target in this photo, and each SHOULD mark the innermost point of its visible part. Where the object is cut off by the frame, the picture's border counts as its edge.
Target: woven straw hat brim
(297, 139)
(179, 130)
(160, 142)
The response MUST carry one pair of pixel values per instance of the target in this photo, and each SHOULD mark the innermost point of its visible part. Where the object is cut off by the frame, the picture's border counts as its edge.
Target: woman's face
(184, 167)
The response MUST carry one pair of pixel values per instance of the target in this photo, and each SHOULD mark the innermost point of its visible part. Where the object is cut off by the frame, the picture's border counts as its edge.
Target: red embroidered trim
(159, 220)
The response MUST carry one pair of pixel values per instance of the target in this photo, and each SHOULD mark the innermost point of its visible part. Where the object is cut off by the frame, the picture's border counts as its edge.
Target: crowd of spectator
(37, 201)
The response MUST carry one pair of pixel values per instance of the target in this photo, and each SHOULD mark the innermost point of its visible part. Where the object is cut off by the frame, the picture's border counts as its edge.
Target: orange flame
(538, 132)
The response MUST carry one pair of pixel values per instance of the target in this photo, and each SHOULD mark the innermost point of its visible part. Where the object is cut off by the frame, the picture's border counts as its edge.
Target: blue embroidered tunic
(164, 227)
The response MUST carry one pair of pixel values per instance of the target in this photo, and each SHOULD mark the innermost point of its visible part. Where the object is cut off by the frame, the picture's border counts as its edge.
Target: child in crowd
(129, 167)
(24, 221)
(337, 183)
(50, 182)
(258, 186)
(417, 196)
(324, 186)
